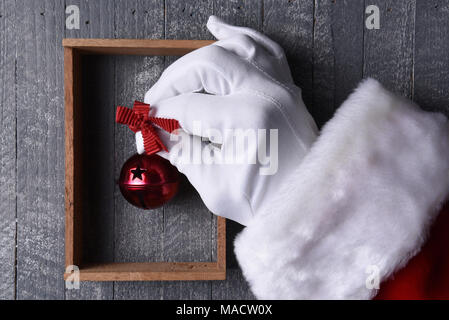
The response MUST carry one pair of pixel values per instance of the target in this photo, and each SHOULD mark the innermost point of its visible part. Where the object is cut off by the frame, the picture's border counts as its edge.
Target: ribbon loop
(138, 119)
(141, 108)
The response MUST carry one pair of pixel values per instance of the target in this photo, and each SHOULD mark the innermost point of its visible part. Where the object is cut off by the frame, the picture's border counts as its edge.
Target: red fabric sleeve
(426, 276)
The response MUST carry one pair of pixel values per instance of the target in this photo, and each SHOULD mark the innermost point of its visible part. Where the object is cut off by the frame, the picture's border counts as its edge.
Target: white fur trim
(361, 201)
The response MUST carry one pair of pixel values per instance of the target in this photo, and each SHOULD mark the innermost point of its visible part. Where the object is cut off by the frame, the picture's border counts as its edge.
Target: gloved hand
(223, 92)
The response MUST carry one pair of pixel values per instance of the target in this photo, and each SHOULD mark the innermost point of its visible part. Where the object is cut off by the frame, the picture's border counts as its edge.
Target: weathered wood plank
(97, 21)
(235, 287)
(139, 234)
(337, 55)
(327, 62)
(138, 47)
(40, 150)
(389, 50)
(431, 68)
(187, 222)
(240, 12)
(187, 19)
(290, 23)
(7, 149)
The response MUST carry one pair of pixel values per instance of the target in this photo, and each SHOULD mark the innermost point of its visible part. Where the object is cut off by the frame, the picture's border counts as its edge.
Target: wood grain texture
(93, 73)
(290, 23)
(40, 150)
(7, 149)
(70, 93)
(97, 21)
(158, 271)
(142, 47)
(235, 287)
(328, 58)
(240, 12)
(431, 67)
(389, 51)
(138, 234)
(337, 55)
(186, 220)
(151, 271)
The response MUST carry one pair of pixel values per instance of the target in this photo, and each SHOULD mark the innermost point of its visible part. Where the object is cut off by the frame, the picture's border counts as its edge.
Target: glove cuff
(357, 208)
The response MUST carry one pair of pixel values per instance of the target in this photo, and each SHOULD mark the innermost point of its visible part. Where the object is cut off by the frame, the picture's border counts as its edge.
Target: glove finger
(210, 69)
(251, 45)
(185, 151)
(221, 30)
(206, 115)
(246, 48)
(170, 140)
(193, 157)
(176, 143)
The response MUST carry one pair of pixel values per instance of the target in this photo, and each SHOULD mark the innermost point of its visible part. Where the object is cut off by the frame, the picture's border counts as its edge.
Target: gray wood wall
(329, 50)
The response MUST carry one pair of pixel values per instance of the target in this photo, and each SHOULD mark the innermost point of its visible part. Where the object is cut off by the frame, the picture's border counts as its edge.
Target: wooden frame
(73, 49)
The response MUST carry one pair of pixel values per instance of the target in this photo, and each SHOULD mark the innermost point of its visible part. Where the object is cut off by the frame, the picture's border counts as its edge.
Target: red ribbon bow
(138, 119)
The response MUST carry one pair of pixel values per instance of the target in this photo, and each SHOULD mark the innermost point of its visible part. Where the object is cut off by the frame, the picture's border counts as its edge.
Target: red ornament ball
(148, 181)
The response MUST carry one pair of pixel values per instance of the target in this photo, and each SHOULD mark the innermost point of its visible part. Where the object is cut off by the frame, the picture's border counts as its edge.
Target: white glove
(357, 208)
(241, 82)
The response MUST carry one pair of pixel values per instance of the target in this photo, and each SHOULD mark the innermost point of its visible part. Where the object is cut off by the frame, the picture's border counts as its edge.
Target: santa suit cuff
(357, 208)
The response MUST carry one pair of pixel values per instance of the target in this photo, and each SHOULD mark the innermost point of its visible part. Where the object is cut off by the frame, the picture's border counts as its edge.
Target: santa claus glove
(238, 87)
(357, 208)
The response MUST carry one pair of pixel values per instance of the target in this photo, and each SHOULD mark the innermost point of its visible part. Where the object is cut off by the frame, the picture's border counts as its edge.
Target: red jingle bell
(148, 181)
